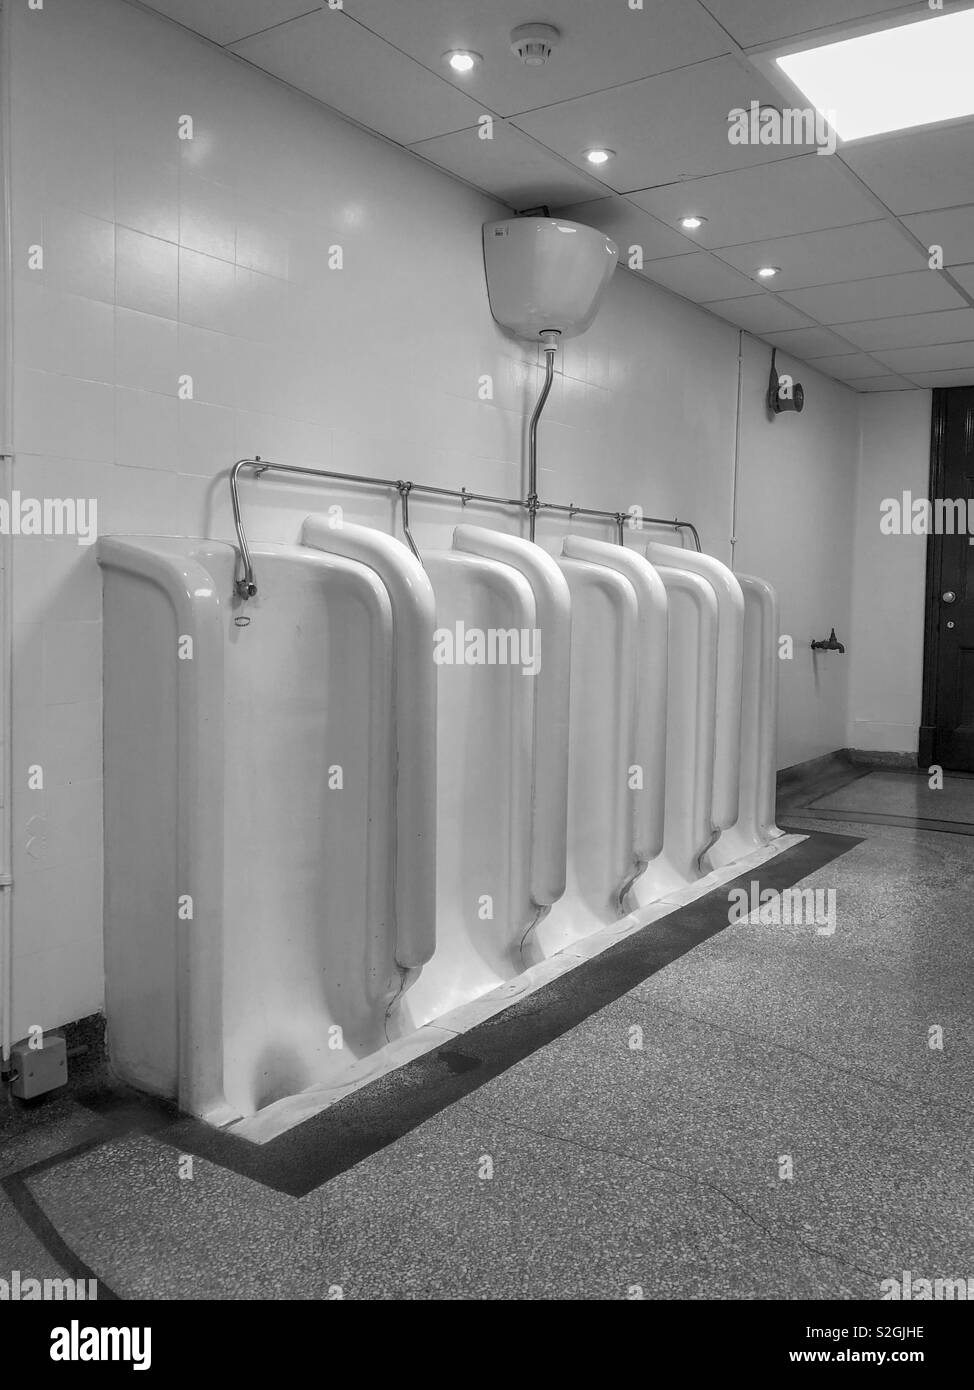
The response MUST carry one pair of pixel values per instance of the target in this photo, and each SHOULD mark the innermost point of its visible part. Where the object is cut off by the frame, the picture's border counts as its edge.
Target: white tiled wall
(885, 698)
(209, 258)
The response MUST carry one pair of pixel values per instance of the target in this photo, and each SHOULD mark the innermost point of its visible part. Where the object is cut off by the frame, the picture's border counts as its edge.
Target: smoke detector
(534, 43)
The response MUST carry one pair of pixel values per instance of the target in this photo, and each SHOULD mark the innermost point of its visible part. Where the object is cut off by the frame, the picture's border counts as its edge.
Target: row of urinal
(384, 788)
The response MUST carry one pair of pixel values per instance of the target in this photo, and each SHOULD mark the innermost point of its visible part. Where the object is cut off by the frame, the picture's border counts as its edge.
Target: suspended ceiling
(854, 294)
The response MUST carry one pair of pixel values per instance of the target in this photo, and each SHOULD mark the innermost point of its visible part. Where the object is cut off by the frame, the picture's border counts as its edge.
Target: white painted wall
(889, 576)
(209, 258)
(795, 509)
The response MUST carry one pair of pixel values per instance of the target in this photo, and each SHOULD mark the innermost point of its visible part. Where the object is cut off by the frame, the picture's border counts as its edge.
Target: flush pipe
(737, 444)
(549, 338)
(246, 584)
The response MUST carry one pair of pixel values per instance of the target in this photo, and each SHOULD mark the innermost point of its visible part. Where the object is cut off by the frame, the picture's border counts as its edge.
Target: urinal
(485, 655)
(691, 710)
(414, 695)
(550, 685)
(618, 734)
(604, 646)
(267, 895)
(755, 824)
(725, 807)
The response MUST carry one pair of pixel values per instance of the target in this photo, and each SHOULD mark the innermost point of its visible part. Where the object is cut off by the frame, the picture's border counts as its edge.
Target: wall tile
(63, 333)
(147, 193)
(146, 352)
(262, 238)
(211, 359)
(147, 273)
(79, 253)
(207, 216)
(146, 430)
(260, 304)
(63, 416)
(206, 438)
(206, 292)
(54, 577)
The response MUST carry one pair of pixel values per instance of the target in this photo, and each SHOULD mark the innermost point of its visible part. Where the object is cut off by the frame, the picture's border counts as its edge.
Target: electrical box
(38, 1065)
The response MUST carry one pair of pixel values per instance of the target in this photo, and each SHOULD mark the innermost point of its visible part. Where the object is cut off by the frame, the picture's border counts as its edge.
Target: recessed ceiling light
(462, 59)
(599, 156)
(766, 271)
(891, 79)
(692, 223)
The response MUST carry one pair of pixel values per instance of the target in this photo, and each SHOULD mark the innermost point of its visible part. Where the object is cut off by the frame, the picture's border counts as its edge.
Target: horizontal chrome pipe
(246, 585)
(673, 522)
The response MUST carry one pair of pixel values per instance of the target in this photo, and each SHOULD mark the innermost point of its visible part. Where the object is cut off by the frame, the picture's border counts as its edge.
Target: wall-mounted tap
(832, 645)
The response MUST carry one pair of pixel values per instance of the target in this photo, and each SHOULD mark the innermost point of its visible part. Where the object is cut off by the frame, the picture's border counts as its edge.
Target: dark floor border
(368, 1120)
(39, 1223)
(942, 827)
(328, 1144)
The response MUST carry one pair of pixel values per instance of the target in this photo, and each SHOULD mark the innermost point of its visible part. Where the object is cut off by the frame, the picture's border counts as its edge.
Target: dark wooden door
(948, 735)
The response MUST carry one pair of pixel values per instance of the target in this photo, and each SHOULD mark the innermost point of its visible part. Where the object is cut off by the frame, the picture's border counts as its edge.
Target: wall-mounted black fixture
(832, 645)
(783, 395)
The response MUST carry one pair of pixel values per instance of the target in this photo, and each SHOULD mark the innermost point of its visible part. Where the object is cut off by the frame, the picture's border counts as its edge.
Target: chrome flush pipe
(549, 338)
(246, 585)
(404, 489)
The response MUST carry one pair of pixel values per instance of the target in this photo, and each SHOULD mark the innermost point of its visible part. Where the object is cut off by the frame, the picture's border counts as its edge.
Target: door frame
(927, 743)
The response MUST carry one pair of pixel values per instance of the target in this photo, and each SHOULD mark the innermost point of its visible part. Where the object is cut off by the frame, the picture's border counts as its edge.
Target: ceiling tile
(629, 227)
(759, 313)
(881, 296)
(850, 366)
(929, 379)
(823, 258)
(802, 194)
(665, 128)
(882, 383)
(697, 276)
(336, 60)
(760, 21)
(918, 170)
(952, 229)
(511, 166)
(808, 343)
(228, 20)
(912, 330)
(936, 358)
(595, 50)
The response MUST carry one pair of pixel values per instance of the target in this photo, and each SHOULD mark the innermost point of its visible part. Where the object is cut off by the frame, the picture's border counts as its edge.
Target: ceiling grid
(850, 231)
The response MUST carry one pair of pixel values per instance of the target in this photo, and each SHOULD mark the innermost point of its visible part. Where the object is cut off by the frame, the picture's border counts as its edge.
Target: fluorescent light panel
(893, 79)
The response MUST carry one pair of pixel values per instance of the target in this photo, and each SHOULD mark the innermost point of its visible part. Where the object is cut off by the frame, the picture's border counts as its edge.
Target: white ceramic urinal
(691, 708)
(550, 688)
(730, 668)
(618, 733)
(485, 653)
(258, 919)
(755, 825)
(414, 694)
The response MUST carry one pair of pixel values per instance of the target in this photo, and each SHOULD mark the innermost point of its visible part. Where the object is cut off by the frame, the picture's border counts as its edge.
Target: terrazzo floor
(763, 1118)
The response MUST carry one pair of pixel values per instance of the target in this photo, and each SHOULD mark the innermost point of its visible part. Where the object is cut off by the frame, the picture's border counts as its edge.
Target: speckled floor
(904, 794)
(764, 1118)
